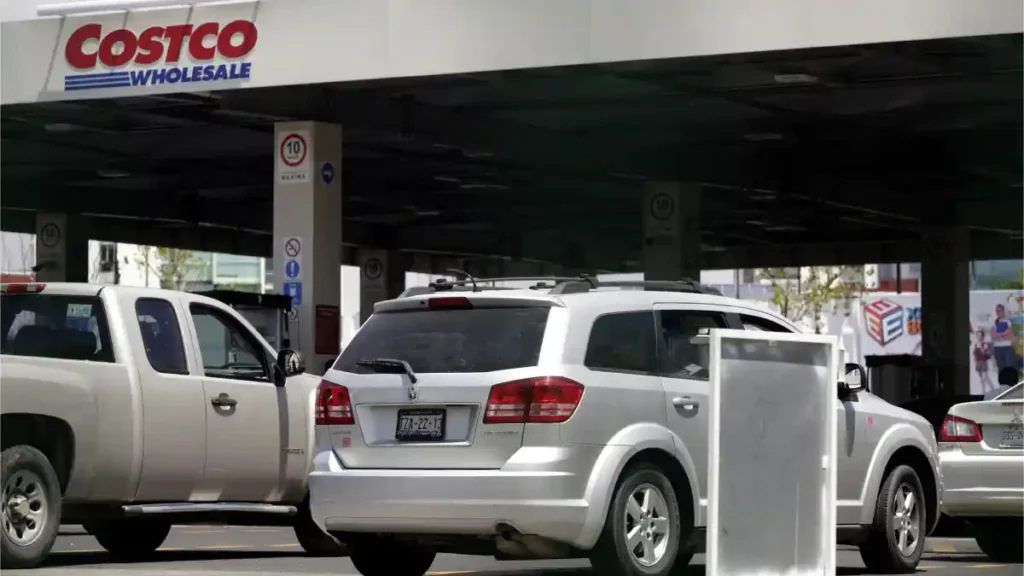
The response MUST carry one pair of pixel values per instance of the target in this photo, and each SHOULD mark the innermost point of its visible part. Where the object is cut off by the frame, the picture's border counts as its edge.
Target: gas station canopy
(839, 132)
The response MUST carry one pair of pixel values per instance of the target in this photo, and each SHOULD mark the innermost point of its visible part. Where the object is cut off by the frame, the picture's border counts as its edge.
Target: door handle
(685, 402)
(224, 401)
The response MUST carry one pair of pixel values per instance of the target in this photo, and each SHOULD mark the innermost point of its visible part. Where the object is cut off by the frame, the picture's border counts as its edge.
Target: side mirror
(855, 379)
(289, 363)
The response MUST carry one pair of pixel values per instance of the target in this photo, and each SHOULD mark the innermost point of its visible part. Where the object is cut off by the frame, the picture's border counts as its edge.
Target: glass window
(52, 326)
(685, 342)
(623, 342)
(446, 341)
(761, 324)
(161, 335)
(227, 348)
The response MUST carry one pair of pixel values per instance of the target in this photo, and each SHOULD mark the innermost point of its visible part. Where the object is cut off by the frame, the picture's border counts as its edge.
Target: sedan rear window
(449, 341)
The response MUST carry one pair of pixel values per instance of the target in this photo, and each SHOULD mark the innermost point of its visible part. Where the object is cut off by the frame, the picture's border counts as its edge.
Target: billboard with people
(891, 324)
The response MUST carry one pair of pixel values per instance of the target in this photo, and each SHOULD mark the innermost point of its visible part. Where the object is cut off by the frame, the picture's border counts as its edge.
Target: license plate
(420, 425)
(1012, 438)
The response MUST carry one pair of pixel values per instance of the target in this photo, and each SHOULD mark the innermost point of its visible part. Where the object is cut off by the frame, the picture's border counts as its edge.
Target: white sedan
(981, 451)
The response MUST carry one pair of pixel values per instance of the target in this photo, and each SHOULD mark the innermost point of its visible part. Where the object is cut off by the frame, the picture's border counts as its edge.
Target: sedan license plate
(1013, 437)
(420, 425)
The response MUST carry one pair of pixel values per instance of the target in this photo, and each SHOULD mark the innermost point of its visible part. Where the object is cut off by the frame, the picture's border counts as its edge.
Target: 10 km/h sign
(293, 164)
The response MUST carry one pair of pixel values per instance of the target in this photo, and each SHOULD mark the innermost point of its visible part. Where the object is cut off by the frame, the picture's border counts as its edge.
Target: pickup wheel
(313, 540)
(129, 539)
(381, 556)
(31, 507)
(897, 536)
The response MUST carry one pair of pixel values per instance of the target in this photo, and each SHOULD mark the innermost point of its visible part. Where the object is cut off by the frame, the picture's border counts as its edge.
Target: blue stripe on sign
(118, 84)
(97, 75)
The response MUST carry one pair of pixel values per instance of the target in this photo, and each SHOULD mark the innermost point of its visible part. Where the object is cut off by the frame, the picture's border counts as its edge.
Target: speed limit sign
(293, 154)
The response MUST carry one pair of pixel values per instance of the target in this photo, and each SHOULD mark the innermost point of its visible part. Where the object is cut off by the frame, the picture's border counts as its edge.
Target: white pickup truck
(129, 409)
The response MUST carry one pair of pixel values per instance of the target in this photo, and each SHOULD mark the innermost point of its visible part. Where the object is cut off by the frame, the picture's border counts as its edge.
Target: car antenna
(464, 274)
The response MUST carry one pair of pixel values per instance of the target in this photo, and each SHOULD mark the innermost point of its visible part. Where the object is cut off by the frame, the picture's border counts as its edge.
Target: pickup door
(247, 417)
(172, 419)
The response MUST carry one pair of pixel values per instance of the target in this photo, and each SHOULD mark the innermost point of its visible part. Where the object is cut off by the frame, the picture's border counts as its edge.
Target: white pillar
(62, 248)
(671, 231)
(373, 280)
(307, 235)
(945, 306)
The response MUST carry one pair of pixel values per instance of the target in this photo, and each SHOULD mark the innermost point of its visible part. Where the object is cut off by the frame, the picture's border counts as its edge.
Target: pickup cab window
(161, 335)
(55, 326)
(228, 350)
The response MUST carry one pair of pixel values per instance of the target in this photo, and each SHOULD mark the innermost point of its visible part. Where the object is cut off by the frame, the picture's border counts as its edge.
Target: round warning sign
(662, 207)
(373, 269)
(293, 150)
(292, 247)
(49, 235)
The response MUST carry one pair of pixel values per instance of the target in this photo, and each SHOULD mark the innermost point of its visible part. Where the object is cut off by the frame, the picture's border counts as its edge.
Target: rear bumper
(540, 496)
(981, 485)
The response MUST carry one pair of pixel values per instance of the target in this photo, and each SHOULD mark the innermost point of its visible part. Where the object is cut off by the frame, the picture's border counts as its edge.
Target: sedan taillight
(956, 429)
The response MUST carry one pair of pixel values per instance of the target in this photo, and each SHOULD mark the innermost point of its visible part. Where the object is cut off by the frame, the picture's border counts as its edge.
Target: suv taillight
(333, 405)
(956, 429)
(546, 399)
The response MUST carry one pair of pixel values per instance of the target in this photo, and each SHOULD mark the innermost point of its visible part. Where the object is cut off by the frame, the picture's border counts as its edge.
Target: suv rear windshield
(447, 341)
(49, 326)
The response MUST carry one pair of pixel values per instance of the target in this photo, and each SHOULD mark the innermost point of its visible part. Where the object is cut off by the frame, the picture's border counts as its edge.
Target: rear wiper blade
(389, 366)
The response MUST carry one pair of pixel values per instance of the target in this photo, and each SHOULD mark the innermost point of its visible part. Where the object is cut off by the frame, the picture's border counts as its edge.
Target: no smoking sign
(293, 154)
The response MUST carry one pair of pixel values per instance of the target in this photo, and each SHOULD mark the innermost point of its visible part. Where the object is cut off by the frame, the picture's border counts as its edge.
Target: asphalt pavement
(249, 551)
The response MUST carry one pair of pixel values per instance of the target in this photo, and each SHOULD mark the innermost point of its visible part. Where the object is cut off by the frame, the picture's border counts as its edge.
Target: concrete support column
(522, 269)
(945, 306)
(422, 263)
(374, 279)
(671, 231)
(307, 235)
(62, 248)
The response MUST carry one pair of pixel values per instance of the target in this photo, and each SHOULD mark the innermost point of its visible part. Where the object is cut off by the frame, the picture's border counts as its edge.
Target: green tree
(176, 268)
(1015, 284)
(814, 290)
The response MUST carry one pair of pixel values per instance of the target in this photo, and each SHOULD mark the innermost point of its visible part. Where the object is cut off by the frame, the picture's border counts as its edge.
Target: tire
(882, 551)
(378, 556)
(1001, 539)
(31, 506)
(614, 555)
(313, 540)
(129, 539)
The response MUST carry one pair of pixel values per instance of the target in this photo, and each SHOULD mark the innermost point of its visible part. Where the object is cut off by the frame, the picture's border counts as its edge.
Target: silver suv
(569, 420)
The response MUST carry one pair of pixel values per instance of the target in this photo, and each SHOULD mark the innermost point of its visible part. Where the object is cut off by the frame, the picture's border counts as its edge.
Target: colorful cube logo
(884, 321)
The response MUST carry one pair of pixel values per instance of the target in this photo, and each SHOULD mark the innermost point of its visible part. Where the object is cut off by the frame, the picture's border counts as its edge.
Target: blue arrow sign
(292, 269)
(294, 290)
(327, 172)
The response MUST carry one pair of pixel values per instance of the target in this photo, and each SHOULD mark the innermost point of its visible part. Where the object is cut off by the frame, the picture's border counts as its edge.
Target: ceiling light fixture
(112, 174)
(762, 136)
(60, 127)
(795, 79)
(483, 186)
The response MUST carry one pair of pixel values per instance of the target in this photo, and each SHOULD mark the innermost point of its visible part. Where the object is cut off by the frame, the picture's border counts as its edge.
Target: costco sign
(180, 53)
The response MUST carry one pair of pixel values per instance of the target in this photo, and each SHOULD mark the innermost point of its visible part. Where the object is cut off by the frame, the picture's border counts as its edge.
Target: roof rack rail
(471, 284)
(586, 284)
